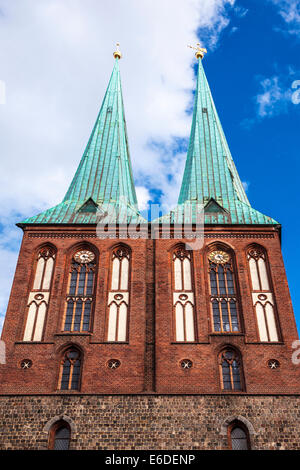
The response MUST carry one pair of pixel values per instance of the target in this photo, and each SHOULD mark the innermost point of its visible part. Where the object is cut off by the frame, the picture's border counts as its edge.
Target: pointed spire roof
(210, 176)
(104, 177)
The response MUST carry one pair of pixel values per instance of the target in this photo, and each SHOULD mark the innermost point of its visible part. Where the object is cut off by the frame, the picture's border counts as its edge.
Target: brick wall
(150, 360)
(184, 409)
(150, 422)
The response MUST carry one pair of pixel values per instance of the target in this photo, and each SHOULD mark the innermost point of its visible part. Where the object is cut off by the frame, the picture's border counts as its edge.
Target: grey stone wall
(151, 422)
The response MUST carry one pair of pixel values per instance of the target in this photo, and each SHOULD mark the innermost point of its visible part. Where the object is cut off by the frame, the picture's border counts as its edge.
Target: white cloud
(246, 185)
(240, 11)
(143, 197)
(274, 97)
(233, 30)
(277, 95)
(296, 93)
(56, 59)
(290, 12)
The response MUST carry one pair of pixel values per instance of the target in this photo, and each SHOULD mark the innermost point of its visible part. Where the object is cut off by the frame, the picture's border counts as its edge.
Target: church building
(152, 338)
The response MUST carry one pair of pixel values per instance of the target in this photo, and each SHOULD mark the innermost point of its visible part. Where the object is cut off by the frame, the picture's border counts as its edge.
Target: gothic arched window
(60, 436)
(230, 370)
(70, 368)
(80, 293)
(223, 296)
(39, 295)
(238, 437)
(183, 295)
(118, 297)
(262, 294)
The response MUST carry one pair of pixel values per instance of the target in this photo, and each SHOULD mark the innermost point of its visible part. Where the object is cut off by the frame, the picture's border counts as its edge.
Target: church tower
(126, 334)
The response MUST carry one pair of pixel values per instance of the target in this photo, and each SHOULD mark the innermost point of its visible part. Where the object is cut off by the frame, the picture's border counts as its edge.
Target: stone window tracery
(38, 299)
(80, 294)
(118, 297)
(223, 297)
(230, 370)
(262, 295)
(70, 369)
(183, 295)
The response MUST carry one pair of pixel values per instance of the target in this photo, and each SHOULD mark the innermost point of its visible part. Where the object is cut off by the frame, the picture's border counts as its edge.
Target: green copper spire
(210, 176)
(104, 178)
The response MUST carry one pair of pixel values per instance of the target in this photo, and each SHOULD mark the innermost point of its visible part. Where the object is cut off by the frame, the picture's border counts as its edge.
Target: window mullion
(182, 275)
(117, 322)
(221, 314)
(231, 376)
(229, 314)
(43, 274)
(221, 375)
(82, 314)
(258, 274)
(73, 314)
(61, 369)
(266, 322)
(225, 281)
(184, 322)
(217, 279)
(71, 375)
(77, 279)
(85, 282)
(35, 321)
(120, 273)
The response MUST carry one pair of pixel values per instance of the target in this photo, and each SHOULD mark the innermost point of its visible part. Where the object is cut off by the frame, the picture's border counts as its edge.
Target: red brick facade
(150, 359)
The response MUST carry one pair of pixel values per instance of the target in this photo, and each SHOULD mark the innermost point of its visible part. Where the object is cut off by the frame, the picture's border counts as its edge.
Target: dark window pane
(216, 315)
(230, 283)
(231, 371)
(239, 439)
(69, 316)
(73, 282)
(226, 375)
(75, 376)
(236, 375)
(89, 285)
(221, 277)
(71, 366)
(213, 283)
(234, 317)
(86, 317)
(81, 282)
(65, 375)
(62, 439)
(225, 316)
(78, 313)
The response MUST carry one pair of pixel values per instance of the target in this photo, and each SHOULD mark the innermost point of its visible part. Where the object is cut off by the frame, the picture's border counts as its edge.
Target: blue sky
(55, 75)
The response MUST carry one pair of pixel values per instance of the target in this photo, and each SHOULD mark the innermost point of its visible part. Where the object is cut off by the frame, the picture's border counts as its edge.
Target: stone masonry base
(150, 422)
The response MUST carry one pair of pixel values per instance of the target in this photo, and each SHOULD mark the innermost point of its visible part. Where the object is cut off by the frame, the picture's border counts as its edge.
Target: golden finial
(117, 53)
(200, 51)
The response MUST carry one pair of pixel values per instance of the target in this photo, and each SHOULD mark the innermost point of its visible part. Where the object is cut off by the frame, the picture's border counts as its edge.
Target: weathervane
(200, 51)
(117, 53)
